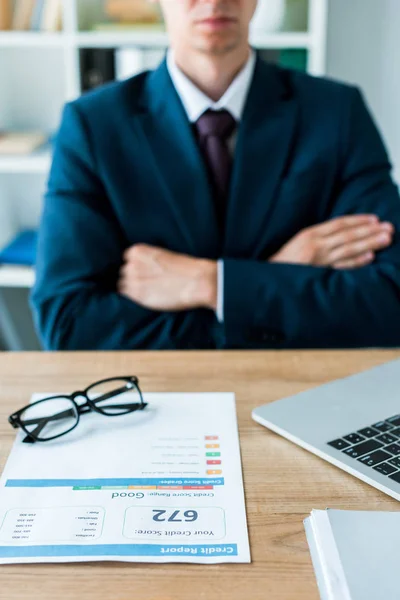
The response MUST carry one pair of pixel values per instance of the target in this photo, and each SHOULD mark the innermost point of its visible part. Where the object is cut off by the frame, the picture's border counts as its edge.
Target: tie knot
(218, 123)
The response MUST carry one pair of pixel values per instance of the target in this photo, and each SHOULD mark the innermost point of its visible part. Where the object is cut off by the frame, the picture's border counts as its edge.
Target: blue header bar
(38, 483)
(107, 550)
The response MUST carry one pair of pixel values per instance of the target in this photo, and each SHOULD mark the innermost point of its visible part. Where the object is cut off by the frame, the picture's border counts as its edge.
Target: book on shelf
(133, 11)
(22, 14)
(97, 67)
(17, 143)
(52, 15)
(128, 26)
(5, 15)
(37, 15)
(21, 250)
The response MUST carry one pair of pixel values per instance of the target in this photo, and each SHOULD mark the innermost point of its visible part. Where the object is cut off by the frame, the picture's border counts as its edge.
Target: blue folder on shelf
(21, 250)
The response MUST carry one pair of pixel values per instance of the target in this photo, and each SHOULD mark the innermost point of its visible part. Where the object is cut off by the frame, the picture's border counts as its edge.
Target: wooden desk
(282, 481)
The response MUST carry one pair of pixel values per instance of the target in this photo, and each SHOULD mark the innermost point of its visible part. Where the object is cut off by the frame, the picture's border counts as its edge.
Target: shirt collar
(196, 102)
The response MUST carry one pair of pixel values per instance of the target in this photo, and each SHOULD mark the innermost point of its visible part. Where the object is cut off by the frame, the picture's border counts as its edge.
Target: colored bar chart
(213, 455)
(119, 484)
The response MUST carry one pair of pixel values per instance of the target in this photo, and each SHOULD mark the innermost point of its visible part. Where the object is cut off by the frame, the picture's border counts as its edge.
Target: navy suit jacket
(127, 170)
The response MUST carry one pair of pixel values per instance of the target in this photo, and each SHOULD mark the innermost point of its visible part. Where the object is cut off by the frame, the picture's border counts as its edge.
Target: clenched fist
(166, 281)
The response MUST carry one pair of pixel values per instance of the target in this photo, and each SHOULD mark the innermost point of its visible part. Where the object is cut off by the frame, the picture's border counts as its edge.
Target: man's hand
(343, 243)
(166, 281)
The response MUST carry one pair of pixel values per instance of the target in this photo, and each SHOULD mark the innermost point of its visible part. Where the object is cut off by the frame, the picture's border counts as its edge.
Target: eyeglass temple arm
(29, 439)
(62, 415)
(111, 394)
(41, 423)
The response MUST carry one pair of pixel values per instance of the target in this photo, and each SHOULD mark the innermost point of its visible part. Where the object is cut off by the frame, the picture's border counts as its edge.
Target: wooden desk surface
(282, 481)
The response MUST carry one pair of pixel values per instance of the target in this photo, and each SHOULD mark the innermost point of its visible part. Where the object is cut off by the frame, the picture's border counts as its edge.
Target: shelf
(17, 277)
(18, 39)
(110, 39)
(144, 39)
(39, 162)
(100, 39)
(91, 39)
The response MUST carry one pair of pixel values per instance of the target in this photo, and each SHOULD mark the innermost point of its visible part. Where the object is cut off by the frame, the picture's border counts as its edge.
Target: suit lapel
(178, 164)
(263, 146)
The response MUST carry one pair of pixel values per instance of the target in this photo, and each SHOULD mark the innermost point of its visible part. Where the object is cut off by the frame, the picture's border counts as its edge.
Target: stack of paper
(355, 554)
(19, 142)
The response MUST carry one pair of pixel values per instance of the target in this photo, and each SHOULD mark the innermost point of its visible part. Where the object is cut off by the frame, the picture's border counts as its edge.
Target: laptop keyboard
(377, 446)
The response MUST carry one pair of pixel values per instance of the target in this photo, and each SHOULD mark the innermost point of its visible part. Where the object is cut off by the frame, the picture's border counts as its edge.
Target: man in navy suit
(218, 202)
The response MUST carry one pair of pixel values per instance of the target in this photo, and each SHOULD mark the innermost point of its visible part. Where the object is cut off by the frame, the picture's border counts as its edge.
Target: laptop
(353, 423)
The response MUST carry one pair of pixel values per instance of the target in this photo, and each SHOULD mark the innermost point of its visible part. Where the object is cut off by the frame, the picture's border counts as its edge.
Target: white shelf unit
(42, 73)
(97, 39)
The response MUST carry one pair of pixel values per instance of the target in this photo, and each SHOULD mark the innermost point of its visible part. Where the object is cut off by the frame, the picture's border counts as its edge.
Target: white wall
(364, 48)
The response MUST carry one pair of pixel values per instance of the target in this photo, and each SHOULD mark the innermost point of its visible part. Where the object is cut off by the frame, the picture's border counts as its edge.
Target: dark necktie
(214, 128)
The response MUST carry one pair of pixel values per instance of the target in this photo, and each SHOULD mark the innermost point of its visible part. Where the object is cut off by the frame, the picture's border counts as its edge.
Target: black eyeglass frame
(90, 405)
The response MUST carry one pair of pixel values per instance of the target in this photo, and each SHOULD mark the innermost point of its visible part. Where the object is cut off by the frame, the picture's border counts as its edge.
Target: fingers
(372, 243)
(355, 263)
(346, 222)
(357, 233)
(345, 242)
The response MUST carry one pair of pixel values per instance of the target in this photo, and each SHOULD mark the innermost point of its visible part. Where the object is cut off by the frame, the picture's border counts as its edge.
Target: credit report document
(161, 485)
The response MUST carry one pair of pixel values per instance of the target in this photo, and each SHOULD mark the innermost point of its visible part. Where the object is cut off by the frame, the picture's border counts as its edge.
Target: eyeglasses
(56, 416)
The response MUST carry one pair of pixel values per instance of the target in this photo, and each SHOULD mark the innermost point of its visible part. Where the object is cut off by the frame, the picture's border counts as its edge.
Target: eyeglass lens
(116, 397)
(50, 418)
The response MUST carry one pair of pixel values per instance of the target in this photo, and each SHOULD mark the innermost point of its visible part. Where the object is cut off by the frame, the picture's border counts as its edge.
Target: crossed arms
(333, 285)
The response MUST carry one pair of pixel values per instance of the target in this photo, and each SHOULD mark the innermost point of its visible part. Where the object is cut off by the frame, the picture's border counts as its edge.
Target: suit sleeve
(293, 306)
(80, 248)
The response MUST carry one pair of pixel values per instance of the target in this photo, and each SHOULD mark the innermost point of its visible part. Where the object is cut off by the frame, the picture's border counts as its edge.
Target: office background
(355, 41)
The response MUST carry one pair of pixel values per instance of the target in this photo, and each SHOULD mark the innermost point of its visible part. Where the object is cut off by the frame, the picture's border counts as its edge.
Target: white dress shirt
(196, 103)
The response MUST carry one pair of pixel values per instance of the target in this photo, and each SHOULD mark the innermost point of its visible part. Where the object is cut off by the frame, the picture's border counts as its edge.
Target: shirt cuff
(220, 292)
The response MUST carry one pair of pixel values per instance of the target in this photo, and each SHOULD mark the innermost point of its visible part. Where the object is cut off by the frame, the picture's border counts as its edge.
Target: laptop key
(386, 438)
(394, 420)
(354, 438)
(395, 432)
(395, 462)
(339, 444)
(393, 449)
(374, 458)
(363, 448)
(385, 468)
(368, 432)
(383, 426)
